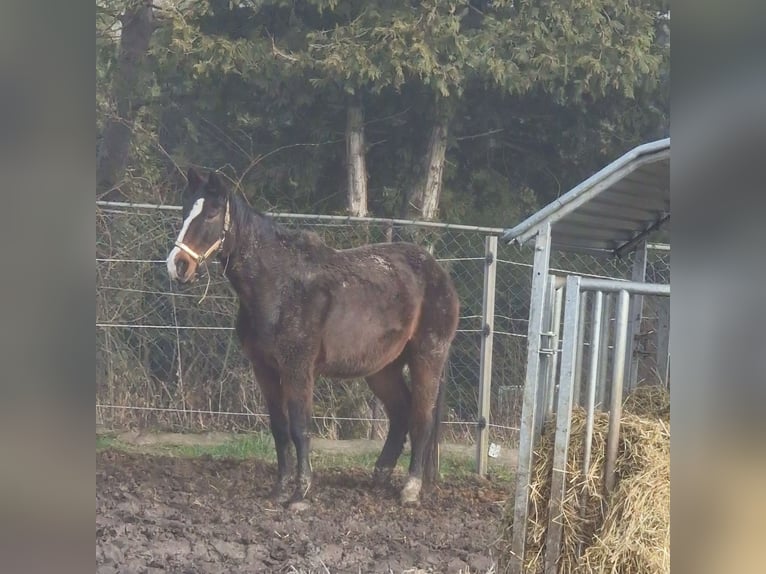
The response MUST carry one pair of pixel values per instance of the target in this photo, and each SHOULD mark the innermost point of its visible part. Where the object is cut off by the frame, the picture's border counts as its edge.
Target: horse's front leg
(268, 380)
(299, 391)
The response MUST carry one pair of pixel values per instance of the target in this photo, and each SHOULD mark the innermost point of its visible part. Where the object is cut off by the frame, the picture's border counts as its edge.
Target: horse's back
(382, 296)
(438, 305)
(414, 257)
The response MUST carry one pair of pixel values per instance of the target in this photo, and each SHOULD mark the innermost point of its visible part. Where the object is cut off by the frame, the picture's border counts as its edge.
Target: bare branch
(260, 158)
(279, 53)
(391, 116)
(481, 135)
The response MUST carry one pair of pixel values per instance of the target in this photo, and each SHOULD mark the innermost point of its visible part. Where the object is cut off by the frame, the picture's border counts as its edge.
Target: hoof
(411, 492)
(298, 506)
(300, 492)
(382, 476)
(279, 493)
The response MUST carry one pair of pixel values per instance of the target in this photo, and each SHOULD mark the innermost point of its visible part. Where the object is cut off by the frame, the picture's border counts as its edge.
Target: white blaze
(171, 261)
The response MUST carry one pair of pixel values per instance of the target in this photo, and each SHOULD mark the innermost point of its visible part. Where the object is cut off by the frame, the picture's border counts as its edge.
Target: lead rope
(207, 271)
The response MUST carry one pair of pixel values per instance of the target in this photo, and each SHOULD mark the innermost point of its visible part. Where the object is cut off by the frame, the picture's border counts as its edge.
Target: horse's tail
(431, 462)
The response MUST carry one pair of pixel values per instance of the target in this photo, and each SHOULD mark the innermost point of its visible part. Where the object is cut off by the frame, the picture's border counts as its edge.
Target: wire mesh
(166, 361)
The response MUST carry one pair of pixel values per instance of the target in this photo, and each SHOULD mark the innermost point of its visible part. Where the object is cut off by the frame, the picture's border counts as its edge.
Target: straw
(627, 533)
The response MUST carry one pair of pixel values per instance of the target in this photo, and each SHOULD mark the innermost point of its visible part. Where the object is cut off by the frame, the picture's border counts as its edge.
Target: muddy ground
(171, 514)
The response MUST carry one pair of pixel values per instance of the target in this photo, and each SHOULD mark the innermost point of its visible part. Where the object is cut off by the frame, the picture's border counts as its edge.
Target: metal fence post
(558, 298)
(580, 348)
(663, 339)
(593, 374)
(529, 409)
(485, 364)
(618, 373)
(636, 311)
(602, 394)
(545, 356)
(563, 421)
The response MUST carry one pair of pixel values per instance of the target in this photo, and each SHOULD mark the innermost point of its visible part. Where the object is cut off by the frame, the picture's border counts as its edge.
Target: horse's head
(206, 222)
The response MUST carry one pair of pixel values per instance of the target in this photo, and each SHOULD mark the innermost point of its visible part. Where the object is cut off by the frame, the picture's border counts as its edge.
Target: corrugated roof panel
(640, 181)
(646, 200)
(593, 246)
(612, 207)
(592, 232)
(605, 221)
(617, 211)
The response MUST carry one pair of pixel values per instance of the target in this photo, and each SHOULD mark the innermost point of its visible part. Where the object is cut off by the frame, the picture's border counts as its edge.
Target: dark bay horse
(307, 310)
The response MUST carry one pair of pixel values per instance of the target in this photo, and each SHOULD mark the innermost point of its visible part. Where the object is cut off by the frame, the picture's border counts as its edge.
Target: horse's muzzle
(187, 273)
(182, 268)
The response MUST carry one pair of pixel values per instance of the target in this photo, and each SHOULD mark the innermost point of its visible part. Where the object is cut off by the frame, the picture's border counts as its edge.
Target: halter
(214, 247)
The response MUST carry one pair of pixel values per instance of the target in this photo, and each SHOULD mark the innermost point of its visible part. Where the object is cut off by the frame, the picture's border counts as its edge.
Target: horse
(308, 310)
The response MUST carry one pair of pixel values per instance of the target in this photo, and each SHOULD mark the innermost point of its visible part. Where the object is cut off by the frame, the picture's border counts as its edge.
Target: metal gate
(551, 399)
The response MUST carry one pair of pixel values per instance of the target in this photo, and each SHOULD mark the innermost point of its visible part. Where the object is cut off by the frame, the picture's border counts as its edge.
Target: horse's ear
(216, 185)
(194, 177)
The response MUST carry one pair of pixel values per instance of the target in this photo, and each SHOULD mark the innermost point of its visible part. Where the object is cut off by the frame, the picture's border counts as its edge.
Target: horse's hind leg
(389, 386)
(426, 364)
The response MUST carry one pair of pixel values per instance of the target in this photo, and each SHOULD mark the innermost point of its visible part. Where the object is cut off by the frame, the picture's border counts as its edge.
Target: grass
(261, 446)
(240, 447)
(104, 442)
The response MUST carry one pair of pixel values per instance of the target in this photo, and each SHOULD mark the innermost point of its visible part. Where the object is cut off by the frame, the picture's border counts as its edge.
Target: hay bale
(628, 532)
(649, 401)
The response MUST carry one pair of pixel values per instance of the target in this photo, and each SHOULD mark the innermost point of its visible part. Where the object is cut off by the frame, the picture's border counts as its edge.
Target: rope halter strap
(216, 246)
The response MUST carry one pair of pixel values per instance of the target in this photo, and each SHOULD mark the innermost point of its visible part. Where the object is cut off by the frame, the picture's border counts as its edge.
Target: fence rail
(166, 361)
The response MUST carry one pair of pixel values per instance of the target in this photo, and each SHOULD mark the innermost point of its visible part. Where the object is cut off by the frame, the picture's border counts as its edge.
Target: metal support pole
(485, 365)
(545, 357)
(636, 311)
(603, 364)
(618, 373)
(558, 299)
(590, 398)
(663, 339)
(529, 408)
(580, 349)
(549, 352)
(590, 401)
(563, 423)
(613, 286)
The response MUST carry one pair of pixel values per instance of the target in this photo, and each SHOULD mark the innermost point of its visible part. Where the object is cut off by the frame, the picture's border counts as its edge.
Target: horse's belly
(360, 349)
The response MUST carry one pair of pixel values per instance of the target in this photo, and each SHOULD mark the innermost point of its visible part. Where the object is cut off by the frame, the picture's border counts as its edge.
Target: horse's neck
(255, 242)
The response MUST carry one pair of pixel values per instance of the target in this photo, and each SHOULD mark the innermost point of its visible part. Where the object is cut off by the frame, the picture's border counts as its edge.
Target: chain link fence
(167, 358)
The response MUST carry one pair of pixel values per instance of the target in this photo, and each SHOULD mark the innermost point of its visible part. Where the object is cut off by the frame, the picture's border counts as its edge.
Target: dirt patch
(169, 514)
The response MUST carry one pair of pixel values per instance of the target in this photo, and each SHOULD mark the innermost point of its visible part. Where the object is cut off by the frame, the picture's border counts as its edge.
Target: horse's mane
(306, 241)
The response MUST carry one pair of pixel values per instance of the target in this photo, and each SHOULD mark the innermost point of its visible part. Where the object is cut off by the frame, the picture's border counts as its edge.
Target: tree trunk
(137, 28)
(424, 201)
(355, 164)
(356, 171)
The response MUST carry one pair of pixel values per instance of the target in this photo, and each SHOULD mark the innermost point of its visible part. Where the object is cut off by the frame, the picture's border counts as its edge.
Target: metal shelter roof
(612, 210)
